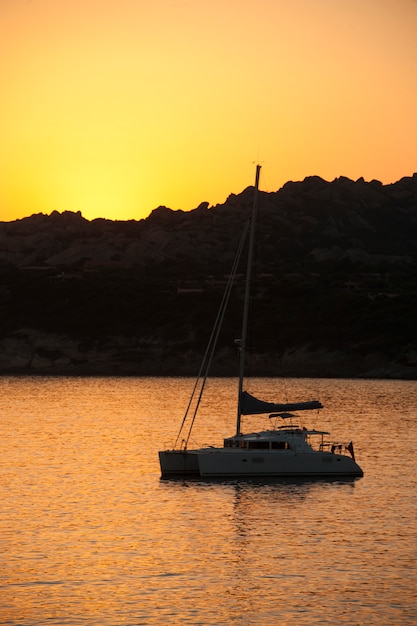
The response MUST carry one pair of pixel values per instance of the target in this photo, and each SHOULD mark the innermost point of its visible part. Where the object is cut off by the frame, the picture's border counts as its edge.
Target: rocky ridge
(337, 263)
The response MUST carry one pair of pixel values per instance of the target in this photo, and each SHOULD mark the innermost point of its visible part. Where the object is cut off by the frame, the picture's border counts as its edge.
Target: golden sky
(114, 107)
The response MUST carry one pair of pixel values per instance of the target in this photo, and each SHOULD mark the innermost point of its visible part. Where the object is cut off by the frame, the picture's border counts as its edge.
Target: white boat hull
(230, 463)
(224, 462)
(178, 463)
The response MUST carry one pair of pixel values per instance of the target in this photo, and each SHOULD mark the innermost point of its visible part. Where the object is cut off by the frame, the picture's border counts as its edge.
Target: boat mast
(247, 296)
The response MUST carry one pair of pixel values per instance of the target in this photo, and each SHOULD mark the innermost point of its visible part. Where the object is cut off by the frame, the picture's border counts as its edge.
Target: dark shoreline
(394, 373)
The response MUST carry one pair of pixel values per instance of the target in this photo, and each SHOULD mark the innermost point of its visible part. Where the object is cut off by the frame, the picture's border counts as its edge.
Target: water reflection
(91, 534)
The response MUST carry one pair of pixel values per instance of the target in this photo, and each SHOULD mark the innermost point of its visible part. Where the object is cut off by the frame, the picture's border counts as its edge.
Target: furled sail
(249, 405)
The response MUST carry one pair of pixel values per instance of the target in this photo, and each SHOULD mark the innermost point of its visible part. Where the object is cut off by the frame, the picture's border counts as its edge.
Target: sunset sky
(114, 107)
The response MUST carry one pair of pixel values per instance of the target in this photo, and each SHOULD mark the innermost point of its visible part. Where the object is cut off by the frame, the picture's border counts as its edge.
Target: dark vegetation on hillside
(336, 274)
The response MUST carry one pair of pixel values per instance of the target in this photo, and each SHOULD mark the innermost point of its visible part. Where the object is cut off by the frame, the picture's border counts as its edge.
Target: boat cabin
(284, 438)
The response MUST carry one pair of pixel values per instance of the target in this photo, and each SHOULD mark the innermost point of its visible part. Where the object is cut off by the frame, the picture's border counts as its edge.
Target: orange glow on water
(90, 534)
(113, 108)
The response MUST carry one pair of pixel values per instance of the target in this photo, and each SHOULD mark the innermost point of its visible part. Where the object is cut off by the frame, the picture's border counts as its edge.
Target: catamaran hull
(178, 463)
(222, 463)
(235, 463)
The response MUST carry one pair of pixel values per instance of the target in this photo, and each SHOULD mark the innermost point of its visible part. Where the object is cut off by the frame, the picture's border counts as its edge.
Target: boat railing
(336, 448)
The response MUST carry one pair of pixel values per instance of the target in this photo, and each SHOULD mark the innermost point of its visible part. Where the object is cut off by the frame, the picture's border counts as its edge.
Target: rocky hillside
(335, 288)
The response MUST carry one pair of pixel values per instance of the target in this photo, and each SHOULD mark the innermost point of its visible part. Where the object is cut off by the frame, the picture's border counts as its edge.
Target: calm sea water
(89, 533)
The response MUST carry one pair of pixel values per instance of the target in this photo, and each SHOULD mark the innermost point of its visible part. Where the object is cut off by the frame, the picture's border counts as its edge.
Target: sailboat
(285, 450)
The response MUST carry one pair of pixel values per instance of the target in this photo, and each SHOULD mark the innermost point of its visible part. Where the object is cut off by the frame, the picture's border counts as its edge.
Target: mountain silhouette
(334, 291)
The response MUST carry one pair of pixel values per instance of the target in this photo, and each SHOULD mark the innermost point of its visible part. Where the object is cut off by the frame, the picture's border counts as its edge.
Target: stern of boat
(178, 463)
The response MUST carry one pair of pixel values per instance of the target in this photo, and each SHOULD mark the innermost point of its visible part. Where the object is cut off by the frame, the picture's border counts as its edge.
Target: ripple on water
(91, 535)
